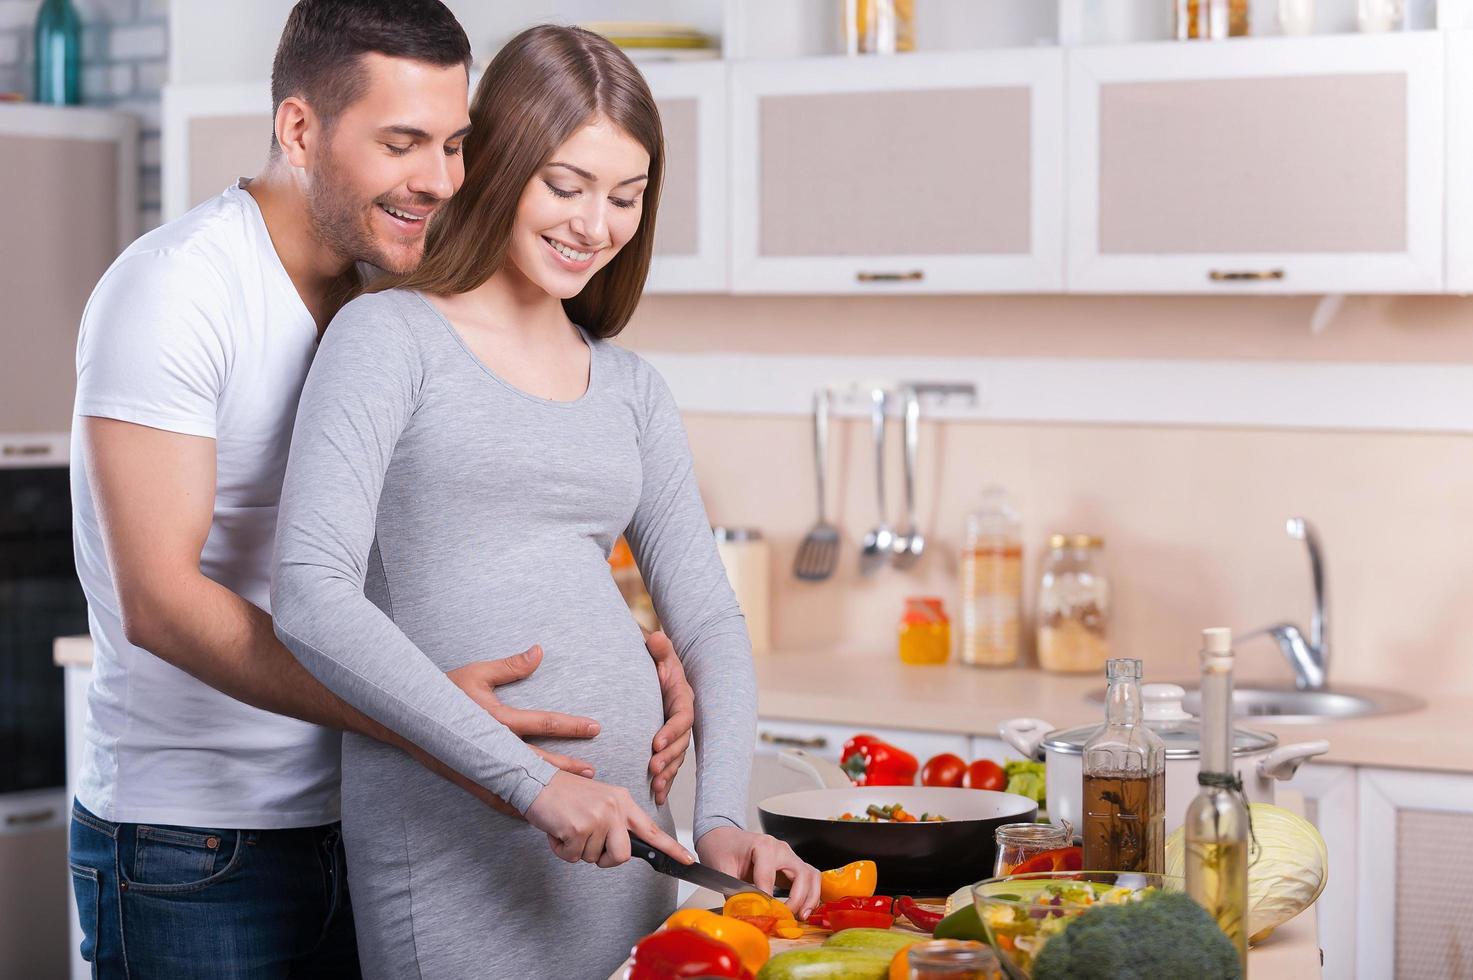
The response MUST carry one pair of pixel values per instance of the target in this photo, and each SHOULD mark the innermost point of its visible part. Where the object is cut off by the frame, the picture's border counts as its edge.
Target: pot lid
(1182, 732)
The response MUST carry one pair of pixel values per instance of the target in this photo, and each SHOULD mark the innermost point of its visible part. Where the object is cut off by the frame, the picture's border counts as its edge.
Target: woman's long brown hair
(543, 86)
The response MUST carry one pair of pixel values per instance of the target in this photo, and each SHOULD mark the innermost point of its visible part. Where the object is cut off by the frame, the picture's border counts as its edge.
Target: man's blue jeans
(185, 902)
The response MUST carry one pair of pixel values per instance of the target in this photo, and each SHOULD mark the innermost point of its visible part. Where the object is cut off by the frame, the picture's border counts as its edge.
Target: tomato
(673, 953)
(986, 774)
(841, 919)
(1059, 859)
(944, 770)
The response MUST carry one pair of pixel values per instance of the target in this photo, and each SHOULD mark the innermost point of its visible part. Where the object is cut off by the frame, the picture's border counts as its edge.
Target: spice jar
(1073, 606)
(925, 632)
(1018, 843)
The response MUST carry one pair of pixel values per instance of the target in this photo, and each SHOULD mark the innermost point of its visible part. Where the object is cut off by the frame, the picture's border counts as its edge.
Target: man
(204, 840)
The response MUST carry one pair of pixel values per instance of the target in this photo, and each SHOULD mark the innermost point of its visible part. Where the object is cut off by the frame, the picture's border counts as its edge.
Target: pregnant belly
(606, 675)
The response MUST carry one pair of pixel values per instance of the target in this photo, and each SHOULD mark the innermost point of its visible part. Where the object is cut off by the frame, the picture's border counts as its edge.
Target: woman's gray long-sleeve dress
(432, 516)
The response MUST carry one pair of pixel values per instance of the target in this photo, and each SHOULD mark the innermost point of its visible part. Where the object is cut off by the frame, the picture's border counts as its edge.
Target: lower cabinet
(1415, 903)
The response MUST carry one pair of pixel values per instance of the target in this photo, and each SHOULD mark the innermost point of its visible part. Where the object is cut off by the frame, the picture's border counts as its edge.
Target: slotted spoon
(818, 555)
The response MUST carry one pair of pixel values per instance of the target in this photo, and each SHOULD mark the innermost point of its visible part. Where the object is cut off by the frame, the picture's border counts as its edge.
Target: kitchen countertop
(952, 698)
(858, 690)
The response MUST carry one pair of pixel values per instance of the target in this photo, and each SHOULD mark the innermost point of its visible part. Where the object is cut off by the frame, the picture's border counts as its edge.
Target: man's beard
(341, 223)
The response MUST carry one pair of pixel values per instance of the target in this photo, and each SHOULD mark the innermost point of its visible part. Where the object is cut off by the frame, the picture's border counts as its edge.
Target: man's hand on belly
(673, 738)
(481, 679)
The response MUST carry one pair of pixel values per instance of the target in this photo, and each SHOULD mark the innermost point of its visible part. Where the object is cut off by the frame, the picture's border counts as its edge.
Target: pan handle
(1026, 735)
(825, 773)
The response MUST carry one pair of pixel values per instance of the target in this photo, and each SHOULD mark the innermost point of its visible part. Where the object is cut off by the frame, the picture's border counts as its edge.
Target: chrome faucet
(1309, 658)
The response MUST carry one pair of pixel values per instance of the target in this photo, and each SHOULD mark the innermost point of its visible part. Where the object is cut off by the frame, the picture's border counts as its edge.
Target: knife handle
(656, 858)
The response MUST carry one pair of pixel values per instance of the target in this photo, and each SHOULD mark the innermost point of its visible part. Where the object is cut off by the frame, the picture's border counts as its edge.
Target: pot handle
(825, 773)
(1026, 735)
(1284, 761)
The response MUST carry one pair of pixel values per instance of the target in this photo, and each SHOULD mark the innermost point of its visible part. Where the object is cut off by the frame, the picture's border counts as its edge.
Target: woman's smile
(570, 257)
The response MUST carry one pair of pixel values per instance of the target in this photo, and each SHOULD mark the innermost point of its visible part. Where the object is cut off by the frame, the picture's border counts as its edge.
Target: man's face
(389, 161)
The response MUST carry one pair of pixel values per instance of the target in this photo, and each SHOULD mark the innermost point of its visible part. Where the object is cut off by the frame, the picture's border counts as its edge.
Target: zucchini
(826, 963)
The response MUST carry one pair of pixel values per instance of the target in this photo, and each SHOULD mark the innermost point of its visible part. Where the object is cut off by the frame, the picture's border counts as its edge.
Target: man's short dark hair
(319, 58)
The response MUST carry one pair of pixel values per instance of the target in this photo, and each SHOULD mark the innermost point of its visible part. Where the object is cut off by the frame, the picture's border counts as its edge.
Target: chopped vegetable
(750, 943)
(1285, 879)
(891, 813)
(673, 953)
(841, 919)
(1059, 859)
(1026, 778)
(870, 761)
(756, 905)
(944, 770)
(855, 879)
(1152, 934)
(873, 903)
(923, 919)
(986, 774)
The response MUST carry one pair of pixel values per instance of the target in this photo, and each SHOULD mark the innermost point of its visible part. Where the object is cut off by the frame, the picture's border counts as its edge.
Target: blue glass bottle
(58, 53)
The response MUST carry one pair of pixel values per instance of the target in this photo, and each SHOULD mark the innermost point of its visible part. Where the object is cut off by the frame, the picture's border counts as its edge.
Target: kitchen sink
(1286, 704)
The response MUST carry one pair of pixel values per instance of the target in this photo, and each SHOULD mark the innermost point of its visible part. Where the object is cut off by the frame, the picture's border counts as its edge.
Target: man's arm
(155, 496)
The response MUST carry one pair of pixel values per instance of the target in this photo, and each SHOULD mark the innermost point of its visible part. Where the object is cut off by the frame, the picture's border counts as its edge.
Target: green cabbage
(1288, 875)
(1026, 779)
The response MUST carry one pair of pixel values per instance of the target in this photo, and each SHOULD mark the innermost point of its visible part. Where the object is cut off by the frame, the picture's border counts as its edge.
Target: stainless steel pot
(1257, 756)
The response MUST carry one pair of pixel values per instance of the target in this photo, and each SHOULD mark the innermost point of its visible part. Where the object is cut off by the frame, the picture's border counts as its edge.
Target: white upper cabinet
(915, 173)
(691, 226)
(1284, 165)
(1460, 161)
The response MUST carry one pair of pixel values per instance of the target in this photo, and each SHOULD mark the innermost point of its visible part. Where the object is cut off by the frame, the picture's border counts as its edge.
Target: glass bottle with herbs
(1217, 819)
(1124, 782)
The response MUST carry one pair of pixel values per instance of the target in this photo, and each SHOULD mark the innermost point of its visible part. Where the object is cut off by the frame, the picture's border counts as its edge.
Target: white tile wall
(125, 63)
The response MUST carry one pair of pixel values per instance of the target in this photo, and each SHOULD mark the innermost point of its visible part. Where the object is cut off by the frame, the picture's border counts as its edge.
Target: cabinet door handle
(29, 817)
(914, 275)
(1245, 275)
(794, 741)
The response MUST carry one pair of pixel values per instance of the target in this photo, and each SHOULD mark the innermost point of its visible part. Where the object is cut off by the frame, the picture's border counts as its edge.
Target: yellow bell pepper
(749, 942)
(855, 880)
(757, 904)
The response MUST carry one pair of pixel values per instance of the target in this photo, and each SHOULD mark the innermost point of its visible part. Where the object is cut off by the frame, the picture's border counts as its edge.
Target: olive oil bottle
(1217, 819)
(1124, 782)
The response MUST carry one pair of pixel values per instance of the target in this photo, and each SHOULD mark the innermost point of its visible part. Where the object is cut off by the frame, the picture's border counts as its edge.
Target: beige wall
(1193, 517)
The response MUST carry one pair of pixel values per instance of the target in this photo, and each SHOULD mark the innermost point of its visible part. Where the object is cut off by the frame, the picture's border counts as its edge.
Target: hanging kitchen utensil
(909, 542)
(818, 554)
(879, 543)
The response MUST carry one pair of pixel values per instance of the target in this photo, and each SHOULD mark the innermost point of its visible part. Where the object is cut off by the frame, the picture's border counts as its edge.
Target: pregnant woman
(468, 449)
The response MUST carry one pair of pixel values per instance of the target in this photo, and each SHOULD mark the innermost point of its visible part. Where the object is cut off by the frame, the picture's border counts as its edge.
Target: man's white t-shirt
(197, 329)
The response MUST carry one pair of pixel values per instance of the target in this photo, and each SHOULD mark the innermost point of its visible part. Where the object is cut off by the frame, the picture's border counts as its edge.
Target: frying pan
(913, 858)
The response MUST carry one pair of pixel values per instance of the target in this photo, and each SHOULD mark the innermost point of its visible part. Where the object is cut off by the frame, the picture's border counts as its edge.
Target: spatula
(818, 555)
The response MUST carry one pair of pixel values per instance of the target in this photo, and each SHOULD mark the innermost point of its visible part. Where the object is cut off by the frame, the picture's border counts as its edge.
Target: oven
(40, 600)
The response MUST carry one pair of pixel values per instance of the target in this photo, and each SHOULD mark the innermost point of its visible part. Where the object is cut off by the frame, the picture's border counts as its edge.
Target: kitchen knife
(697, 874)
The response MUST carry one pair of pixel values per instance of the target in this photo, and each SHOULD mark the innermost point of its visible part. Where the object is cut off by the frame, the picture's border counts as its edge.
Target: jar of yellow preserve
(925, 632)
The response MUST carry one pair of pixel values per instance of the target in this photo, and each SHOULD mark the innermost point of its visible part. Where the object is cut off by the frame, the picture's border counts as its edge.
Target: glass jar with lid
(1073, 606)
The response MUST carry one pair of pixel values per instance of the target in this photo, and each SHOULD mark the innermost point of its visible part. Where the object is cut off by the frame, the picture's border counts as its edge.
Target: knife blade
(697, 874)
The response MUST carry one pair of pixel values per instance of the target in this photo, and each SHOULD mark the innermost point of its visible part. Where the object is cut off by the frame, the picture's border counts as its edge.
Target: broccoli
(1163, 935)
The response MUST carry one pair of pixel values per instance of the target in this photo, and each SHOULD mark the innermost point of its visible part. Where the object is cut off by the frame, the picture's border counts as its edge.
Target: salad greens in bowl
(1022, 914)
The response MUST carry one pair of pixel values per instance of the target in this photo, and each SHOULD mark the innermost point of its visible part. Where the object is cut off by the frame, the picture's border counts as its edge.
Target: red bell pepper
(923, 919)
(870, 761)
(1059, 859)
(875, 904)
(767, 924)
(841, 919)
(671, 954)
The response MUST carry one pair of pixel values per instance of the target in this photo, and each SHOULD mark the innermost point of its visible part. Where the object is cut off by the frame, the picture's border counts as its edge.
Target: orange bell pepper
(750, 944)
(856, 880)
(757, 905)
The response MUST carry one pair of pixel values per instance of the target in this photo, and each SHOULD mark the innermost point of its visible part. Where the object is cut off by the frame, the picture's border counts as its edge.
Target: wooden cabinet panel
(925, 173)
(1266, 165)
(76, 171)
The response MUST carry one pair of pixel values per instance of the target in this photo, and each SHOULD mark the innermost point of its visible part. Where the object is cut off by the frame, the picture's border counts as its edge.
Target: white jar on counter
(745, 554)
